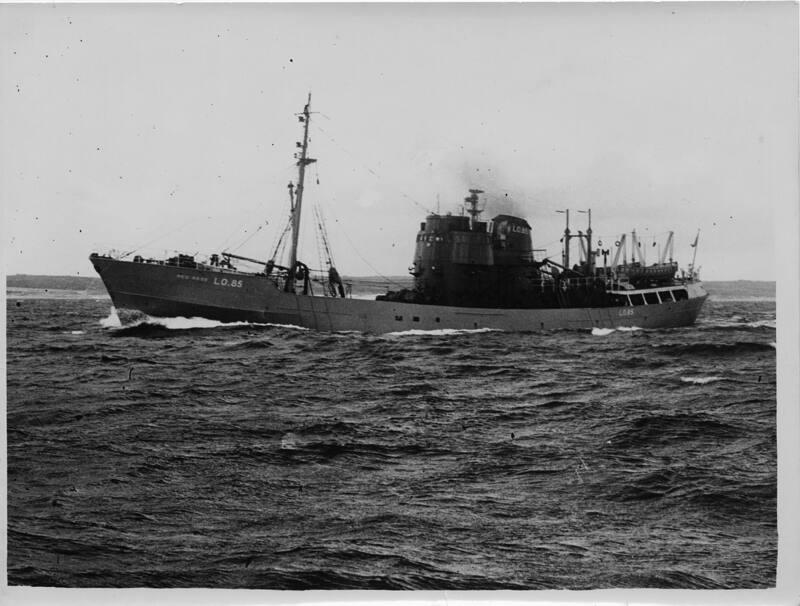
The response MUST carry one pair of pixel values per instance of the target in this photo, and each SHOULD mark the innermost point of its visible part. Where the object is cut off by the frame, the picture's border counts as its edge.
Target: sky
(163, 128)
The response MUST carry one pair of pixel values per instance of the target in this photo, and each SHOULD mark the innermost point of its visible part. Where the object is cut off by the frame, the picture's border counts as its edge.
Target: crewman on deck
(335, 281)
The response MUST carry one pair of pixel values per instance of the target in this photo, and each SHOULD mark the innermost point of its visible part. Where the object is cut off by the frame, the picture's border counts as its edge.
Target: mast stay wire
(230, 236)
(371, 171)
(157, 238)
(323, 232)
(284, 170)
(318, 238)
(280, 245)
(360, 256)
(250, 237)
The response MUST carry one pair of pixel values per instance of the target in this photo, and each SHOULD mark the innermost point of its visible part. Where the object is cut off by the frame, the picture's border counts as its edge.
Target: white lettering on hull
(188, 277)
(227, 282)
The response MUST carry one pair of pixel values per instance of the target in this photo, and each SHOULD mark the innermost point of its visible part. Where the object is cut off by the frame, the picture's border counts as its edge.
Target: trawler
(467, 274)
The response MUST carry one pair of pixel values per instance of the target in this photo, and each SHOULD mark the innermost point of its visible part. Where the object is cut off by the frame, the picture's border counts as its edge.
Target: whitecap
(112, 321)
(762, 324)
(77, 332)
(289, 442)
(184, 323)
(294, 326)
(602, 332)
(700, 380)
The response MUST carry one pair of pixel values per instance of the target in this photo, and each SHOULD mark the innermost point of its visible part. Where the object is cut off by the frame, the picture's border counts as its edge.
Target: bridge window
(399, 318)
(415, 319)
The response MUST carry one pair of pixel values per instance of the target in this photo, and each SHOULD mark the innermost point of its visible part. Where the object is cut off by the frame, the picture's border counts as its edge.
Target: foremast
(297, 205)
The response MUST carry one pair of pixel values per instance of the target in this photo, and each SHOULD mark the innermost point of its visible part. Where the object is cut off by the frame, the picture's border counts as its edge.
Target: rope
(318, 238)
(157, 238)
(323, 233)
(250, 237)
(360, 256)
(371, 171)
(279, 247)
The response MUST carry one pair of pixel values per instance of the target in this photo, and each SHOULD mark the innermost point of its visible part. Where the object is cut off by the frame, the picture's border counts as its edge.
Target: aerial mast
(473, 210)
(694, 255)
(565, 253)
(302, 162)
(590, 257)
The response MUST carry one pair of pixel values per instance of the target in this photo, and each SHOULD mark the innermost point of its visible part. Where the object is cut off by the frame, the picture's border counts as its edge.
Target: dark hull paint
(170, 291)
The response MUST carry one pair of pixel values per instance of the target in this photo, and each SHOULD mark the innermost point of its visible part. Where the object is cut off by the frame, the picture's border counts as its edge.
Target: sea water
(190, 453)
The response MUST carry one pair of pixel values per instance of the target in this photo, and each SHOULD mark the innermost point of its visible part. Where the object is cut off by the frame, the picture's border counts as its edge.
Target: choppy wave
(203, 454)
(762, 324)
(715, 348)
(112, 320)
(740, 299)
(149, 324)
(737, 325)
(701, 380)
(439, 332)
(602, 332)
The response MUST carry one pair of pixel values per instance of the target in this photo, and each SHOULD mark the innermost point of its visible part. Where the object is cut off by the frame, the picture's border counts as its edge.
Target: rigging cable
(360, 256)
(323, 233)
(371, 171)
(250, 237)
(318, 238)
(252, 211)
(157, 238)
(281, 245)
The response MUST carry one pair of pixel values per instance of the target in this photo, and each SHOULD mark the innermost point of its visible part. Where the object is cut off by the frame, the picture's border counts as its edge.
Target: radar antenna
(472, 202)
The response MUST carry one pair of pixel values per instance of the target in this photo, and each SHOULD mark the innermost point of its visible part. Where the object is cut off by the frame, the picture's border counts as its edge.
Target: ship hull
(171, 291)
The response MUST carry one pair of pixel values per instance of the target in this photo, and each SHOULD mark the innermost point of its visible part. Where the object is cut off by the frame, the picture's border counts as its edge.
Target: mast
(621, 246)
(589, 244)
(565, 253)
(588, 236)
(667, 249)
(694, 255)
(302, 162)
(473, 210)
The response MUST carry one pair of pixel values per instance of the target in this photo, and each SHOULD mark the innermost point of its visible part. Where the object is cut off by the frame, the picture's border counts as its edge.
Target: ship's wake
(602, 332)
(129, 322)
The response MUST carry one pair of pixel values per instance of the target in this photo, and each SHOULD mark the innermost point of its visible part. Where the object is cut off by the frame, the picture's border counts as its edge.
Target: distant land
(85, 283)
(92, 286)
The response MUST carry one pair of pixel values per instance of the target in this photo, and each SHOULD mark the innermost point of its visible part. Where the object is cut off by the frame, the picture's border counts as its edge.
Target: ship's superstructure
(468, 273)
(460, 260)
